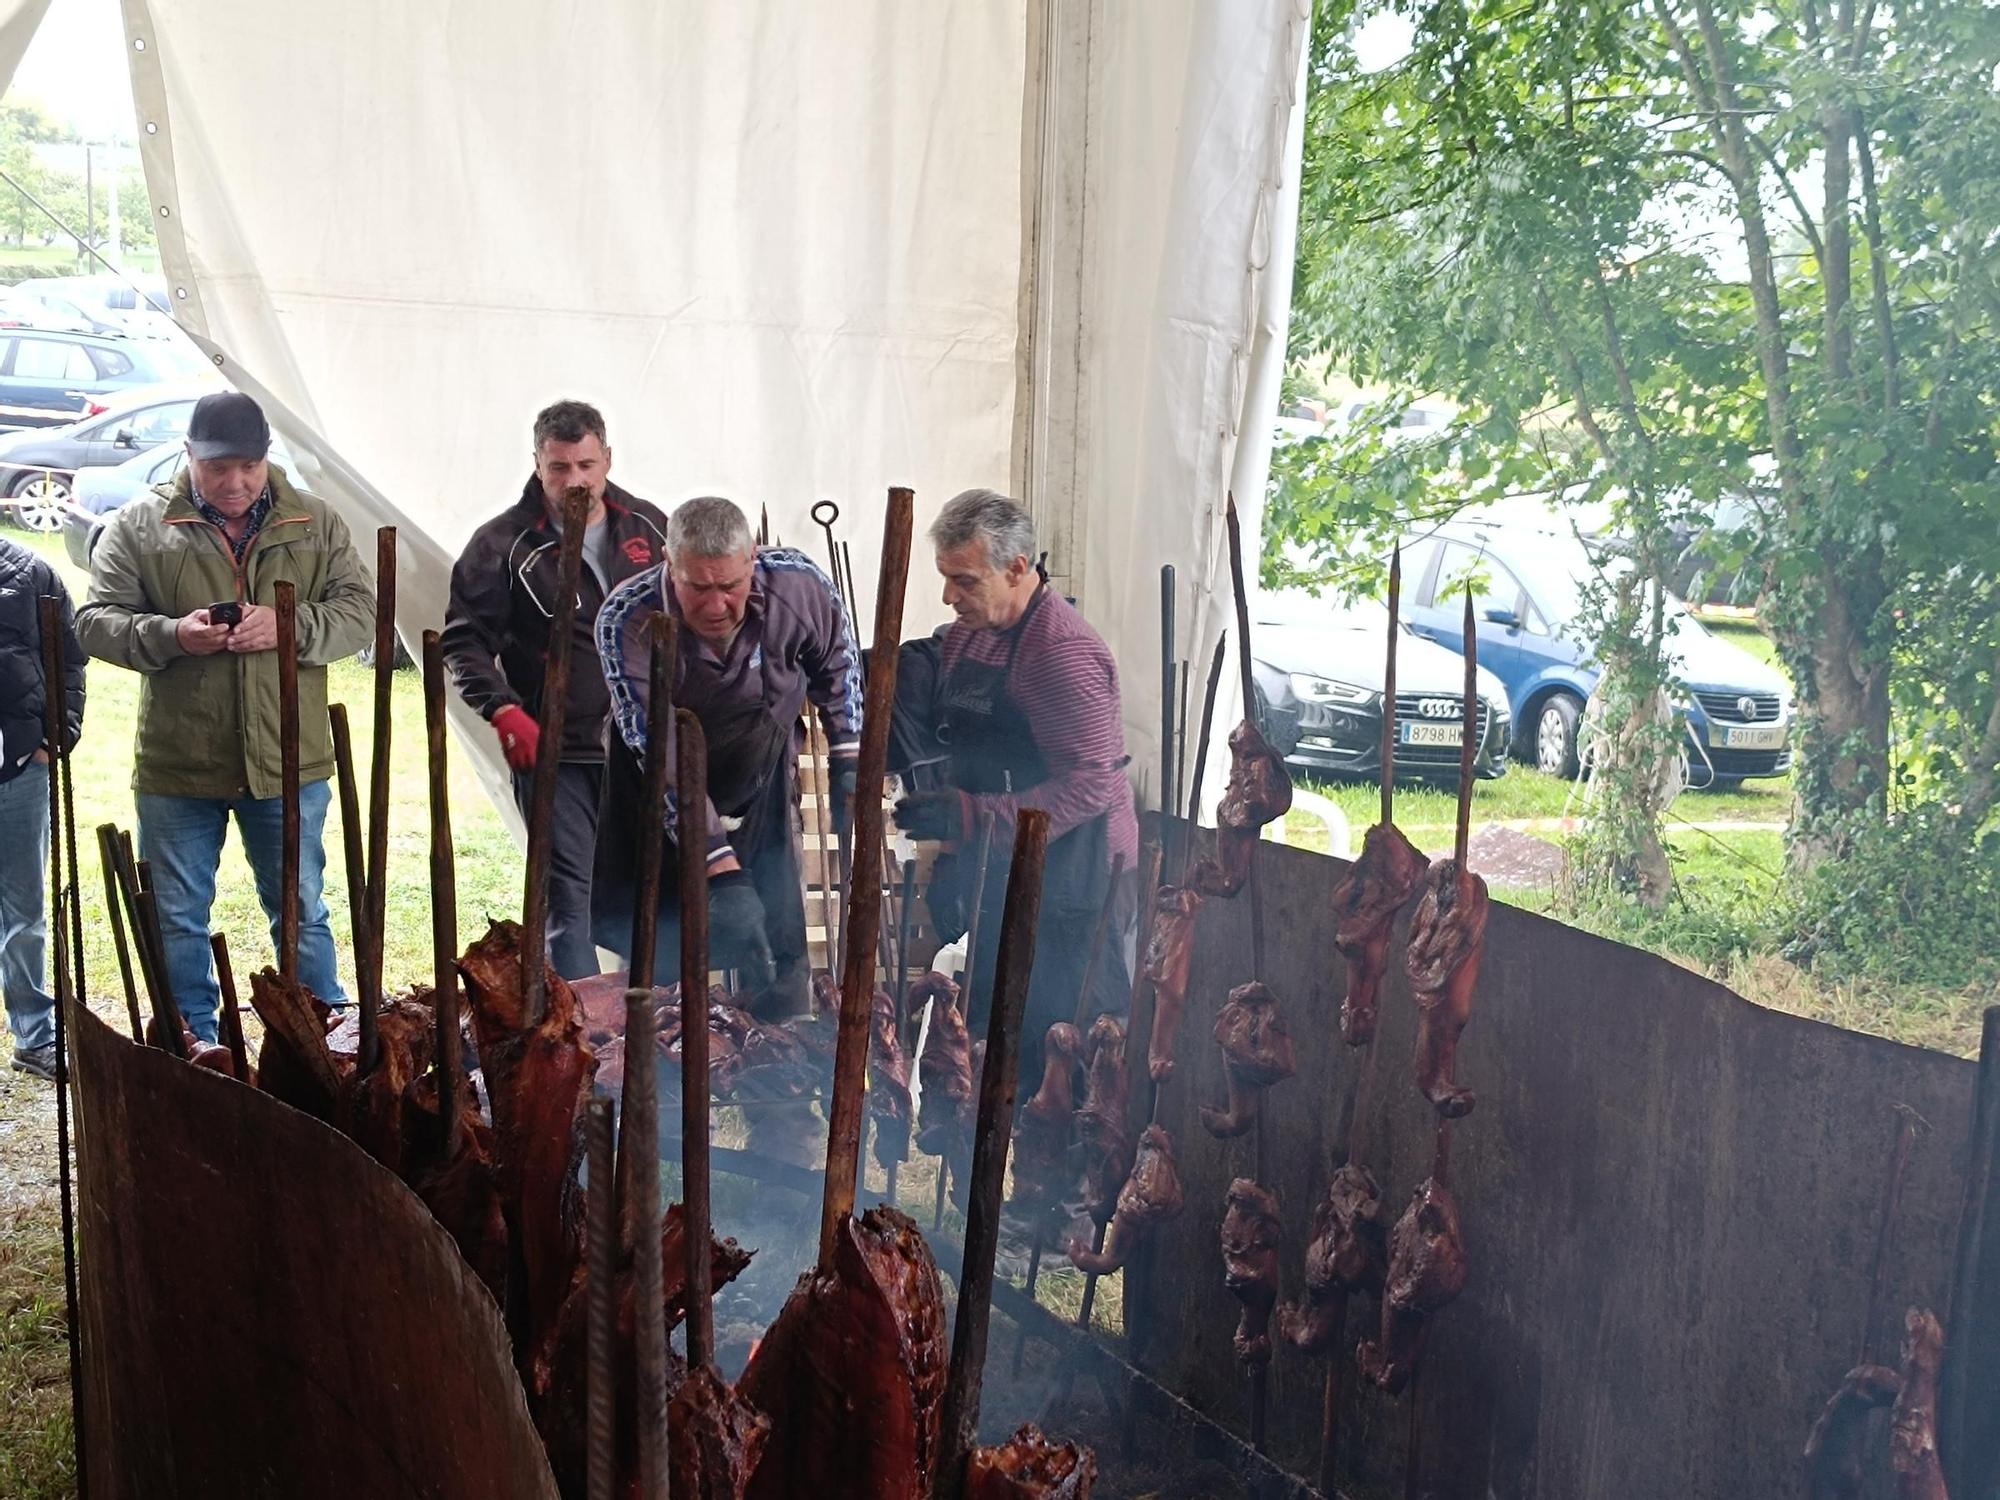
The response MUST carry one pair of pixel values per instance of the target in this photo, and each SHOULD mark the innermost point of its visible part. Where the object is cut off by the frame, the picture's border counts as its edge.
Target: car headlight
(1308, 689)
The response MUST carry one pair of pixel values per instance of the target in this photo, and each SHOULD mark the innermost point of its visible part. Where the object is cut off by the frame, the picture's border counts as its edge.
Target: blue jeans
(182, 838)
(24, 890)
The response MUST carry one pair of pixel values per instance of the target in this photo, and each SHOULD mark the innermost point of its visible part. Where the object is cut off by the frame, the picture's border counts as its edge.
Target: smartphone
(229, 612)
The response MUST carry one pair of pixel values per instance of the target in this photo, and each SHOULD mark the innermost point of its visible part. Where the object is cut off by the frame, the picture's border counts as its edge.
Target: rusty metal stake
(601, 1205)
(107, 853)
(288, 754)
(1012, 969)
(368, 963)
(54, 697)
(641, 1144)
(1201, 752)
(444, 903)
(864, 912)
(548, 760)
(357, 882)
(663, 644)
(691, 776)
(232, 1013)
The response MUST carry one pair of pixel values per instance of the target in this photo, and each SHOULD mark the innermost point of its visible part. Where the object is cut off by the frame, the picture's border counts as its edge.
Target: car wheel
(1555, 735)
(41, 500)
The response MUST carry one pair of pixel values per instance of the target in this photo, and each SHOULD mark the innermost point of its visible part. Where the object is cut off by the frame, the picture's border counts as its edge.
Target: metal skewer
(864, 913)
(107, 853)
(982, 854)
(601, 1207)
(232, 1013)
(368, 954)
(548, 759)
(444, 905)
(1012, 969)
(691, 776)
(663, 645)
(641, 1145)
(351, 836)
(288, 751)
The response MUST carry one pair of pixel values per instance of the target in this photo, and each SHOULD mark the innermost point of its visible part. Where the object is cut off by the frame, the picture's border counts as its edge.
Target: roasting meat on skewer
(1365, 904)
(1345, 1255)
(889, 1104)
(1259, 792)
(1028, 1466)
(1100, 1123)
(1151, 1195)
(1447, 937)
(1041, 1134)
(1427, 1269)
(866, 1336)
(1256, 1053)
(1250, 1234)
(406, 1047)
(1169, 956)
(1834, 1449)
(1913, 1450)
(714, 1439)
(538, 1078)
(463, 1194)
(950, 1078)
(295, 1064)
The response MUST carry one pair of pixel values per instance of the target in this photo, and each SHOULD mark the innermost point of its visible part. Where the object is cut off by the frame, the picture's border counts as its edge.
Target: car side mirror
(1505, 617)
(124, 439)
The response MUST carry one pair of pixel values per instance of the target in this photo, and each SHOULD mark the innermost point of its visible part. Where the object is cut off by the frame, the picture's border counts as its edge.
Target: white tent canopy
(793, 251)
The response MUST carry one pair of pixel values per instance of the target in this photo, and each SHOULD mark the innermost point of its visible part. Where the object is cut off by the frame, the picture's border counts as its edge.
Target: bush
(1916, 900)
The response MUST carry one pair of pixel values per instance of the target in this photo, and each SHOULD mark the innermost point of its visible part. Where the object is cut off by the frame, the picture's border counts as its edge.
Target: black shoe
(40, 1061)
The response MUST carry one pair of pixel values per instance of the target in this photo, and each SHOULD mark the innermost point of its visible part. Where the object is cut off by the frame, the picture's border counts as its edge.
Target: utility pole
(89, 197)
(112, 215)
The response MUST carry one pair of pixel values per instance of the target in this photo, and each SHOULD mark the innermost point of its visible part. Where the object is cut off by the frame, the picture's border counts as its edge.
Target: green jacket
(208, 725)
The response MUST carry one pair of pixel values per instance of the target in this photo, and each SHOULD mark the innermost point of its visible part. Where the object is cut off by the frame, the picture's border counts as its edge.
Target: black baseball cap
(228, 424)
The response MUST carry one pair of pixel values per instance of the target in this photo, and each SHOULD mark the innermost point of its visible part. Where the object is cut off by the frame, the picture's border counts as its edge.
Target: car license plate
(1433, 734)
(1754, 736)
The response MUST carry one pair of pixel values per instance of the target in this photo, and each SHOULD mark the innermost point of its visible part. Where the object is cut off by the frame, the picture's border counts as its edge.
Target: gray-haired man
(762, 633)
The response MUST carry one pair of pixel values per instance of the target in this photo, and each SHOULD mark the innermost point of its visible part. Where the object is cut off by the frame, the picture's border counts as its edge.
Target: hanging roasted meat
(462, 1193)
(852, 1372)
(538, 1077)
(1447, 937)
(1028, 1466)
(945, 1118)
(1427, 1269)
(889, 1104)
(295, 1064)
(1365, 904)
(1913, 1450)
(1150, 1196)
(714, 1438)
(1250, 1234)
(1041, 1134)
(1100, 1122)
(406, 1047)
(1256, 1053)
(1346, 1254)
(1835, 1447)
(1259, 792)
(1169, 957)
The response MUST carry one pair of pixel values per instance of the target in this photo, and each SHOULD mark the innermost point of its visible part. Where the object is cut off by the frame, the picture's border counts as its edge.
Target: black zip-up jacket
(25, 580)
(496, 624)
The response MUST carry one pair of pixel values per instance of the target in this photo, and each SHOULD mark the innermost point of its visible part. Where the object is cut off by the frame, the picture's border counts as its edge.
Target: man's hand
(199, 638)
(842, 773)
(258, 632)
(736, 927)
(520, 736)
(932, 815)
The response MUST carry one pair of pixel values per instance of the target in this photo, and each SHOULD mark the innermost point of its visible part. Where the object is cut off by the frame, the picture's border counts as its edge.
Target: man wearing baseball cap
(183, 584)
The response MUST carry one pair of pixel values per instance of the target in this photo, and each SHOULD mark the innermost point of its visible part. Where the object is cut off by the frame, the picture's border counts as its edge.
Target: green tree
(1593, 228)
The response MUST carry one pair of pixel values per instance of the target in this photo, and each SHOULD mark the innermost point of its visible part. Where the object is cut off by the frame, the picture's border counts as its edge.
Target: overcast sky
(75, 69)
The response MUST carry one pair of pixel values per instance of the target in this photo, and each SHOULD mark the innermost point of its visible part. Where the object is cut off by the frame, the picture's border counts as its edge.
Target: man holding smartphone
(183, 584)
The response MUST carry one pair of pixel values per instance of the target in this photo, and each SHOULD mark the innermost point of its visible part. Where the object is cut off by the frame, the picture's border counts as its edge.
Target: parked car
(1528, 600)
(61, 310)
(38, 467)
(49, 378)
(101, 491)
(18, 310)
(140, 311)
(1317, 670)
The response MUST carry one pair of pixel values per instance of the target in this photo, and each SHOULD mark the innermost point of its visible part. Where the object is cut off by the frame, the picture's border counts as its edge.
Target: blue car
(1527, 601)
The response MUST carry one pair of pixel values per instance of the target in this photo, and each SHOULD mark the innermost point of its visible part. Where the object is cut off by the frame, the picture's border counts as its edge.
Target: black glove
(931, 815)
(842, 773)
(736, 928)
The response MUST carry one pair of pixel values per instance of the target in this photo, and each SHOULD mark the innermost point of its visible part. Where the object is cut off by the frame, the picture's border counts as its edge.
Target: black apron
(752, 779)
(993, 750)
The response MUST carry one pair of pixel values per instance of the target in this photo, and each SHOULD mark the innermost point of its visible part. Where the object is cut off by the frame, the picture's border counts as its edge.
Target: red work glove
(520, 736)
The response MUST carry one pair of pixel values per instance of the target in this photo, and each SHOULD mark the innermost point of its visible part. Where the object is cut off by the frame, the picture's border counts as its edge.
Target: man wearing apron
(762, 632)
(1024, 700)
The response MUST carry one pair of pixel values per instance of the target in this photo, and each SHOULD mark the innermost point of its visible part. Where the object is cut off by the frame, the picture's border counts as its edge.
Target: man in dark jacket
(496, 641)
(25, 580)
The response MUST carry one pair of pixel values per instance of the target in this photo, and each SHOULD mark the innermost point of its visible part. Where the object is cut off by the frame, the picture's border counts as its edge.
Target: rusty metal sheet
(1669, 1197)
(269, 1312)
